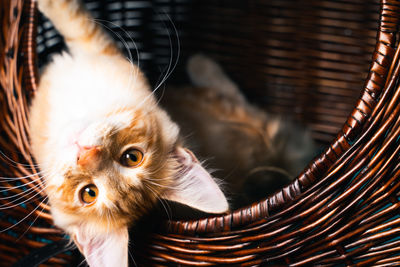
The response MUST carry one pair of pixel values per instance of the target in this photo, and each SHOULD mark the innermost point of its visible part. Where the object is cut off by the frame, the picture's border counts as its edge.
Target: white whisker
(171, 66)
(164, 186)
(7, 188)
(20, 177)
(22, 202)
(22, 235)
(24, 192)
(131, 257)
(17, 163)
(163, 203)
(8, 228)
(170, 70)
(125, 44)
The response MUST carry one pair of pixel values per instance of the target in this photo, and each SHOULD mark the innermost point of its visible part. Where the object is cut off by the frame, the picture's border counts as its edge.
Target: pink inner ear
(195, 187)
(105, 249)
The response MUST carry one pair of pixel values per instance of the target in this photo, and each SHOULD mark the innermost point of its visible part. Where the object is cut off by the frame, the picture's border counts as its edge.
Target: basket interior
(304, 59)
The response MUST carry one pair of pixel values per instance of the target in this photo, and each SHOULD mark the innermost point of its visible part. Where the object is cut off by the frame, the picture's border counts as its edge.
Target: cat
(108, 150)
(254, 152)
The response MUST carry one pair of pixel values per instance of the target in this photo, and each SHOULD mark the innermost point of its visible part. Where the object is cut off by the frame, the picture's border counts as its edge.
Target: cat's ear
(101, 250)
(194, 186)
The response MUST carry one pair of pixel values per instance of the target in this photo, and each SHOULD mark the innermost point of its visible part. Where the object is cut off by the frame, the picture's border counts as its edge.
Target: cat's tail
(79, 29)
(205, 72)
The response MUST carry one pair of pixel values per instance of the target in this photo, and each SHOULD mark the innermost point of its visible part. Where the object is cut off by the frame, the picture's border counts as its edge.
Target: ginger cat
(107, 150)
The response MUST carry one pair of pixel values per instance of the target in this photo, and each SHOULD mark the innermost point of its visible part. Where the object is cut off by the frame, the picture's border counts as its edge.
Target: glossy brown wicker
(342, 210)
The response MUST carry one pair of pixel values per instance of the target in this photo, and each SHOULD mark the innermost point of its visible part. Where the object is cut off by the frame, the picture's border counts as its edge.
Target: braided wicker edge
(18, 78)
(343, 209)
(369, 104)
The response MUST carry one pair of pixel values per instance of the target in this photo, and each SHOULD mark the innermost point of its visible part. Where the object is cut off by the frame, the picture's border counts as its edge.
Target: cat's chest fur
(106, 151)
(79, 92)
(91, 87)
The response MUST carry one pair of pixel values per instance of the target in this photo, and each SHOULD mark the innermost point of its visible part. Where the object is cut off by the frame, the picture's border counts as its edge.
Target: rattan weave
(308, 58)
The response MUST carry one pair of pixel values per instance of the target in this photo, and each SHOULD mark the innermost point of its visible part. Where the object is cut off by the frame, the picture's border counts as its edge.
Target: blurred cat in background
(108, 152)
(254, 152)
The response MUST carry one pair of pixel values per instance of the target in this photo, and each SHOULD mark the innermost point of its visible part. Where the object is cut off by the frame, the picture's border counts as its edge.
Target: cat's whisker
(24, 218)
(38, 185)
(158, 179)
(15, 163)
(102, 22)
(108, 215)
(8, 206)
(166, 207)
(83, 262)
(7, 188)
(160, 81)
(20, 177)
(170, 67)
(24, 192)
(131, 256)
(135, 73)
(25, 201)
(34, 220)
(125, 44)
(178, 187)
(21, 195)
(162, 201)
(161, 95)
(154, 171)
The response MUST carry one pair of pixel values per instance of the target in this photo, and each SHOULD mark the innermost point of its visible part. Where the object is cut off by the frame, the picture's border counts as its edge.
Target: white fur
(104, 249)
(130, 174)
(102, 199)
(83, 96)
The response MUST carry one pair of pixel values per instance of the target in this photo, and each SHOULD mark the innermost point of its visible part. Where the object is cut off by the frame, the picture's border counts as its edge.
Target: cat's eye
(131, 158)
(88, 194)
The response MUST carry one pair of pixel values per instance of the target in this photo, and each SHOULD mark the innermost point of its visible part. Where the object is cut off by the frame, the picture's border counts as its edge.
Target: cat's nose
(87, 155)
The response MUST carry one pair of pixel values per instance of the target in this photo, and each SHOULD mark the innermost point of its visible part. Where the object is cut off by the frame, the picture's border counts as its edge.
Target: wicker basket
(307, 58)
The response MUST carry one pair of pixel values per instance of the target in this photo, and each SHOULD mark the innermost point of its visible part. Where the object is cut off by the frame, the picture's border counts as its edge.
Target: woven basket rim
(273, 204)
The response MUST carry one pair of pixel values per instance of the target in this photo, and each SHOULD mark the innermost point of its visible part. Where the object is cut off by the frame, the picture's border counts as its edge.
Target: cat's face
(107, 152)
(112, 171)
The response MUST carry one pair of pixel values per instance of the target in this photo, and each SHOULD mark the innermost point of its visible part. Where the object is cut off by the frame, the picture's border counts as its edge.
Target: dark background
(306, 59)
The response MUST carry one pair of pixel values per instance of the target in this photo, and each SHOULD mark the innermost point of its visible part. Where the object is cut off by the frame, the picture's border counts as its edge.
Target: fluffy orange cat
(108, 151)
